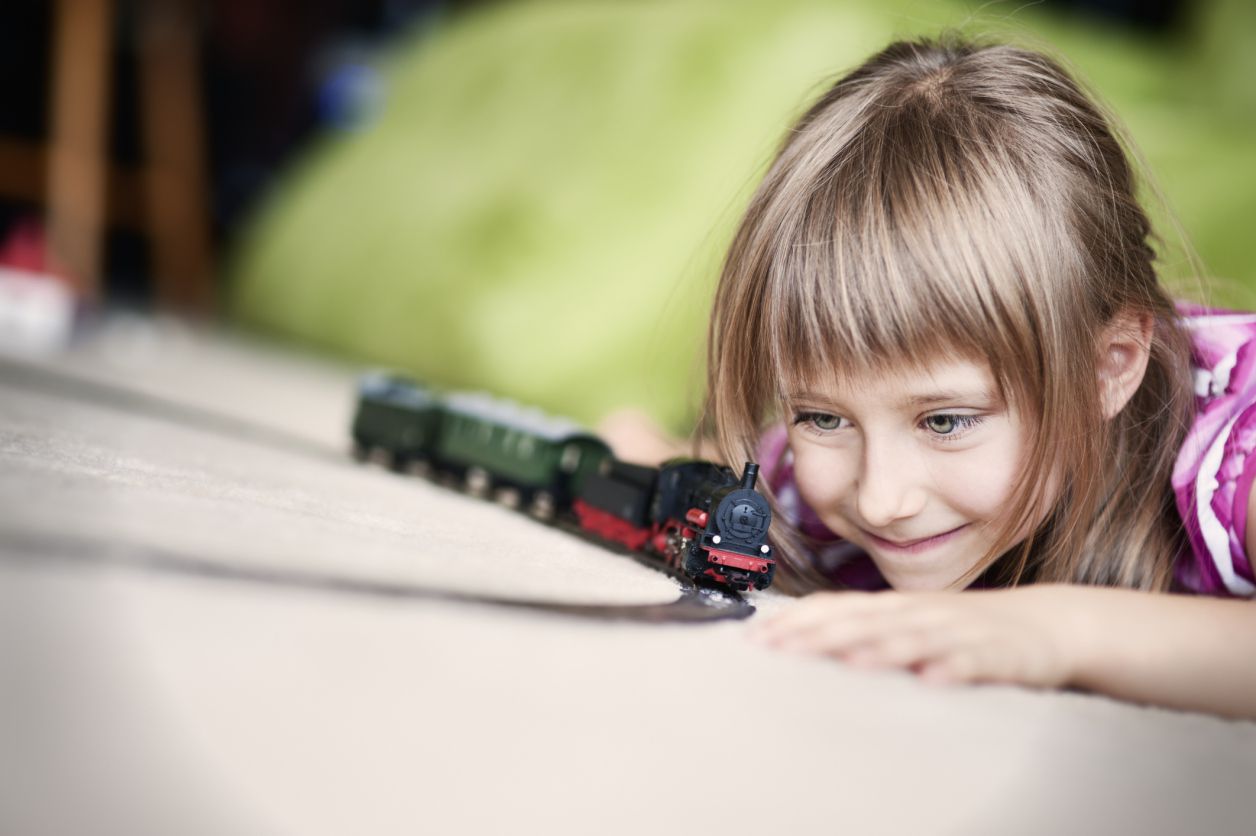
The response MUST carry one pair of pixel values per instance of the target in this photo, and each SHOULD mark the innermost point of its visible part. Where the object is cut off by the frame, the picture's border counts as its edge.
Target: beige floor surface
(137, 700)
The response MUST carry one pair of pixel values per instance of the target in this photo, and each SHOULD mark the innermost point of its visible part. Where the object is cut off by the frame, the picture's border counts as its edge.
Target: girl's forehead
(942, 379)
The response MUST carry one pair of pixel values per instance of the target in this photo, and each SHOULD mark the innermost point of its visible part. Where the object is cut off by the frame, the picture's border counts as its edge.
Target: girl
(943, 305)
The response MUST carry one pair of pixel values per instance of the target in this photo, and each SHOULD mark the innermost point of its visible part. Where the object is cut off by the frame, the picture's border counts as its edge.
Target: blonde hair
(953, 200)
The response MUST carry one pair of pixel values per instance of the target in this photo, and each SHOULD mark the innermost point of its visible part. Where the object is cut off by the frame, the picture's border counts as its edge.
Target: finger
(957, 668)
(839, 637)
(828, 628)
(817, 609)
(920, 644)
(831, 638)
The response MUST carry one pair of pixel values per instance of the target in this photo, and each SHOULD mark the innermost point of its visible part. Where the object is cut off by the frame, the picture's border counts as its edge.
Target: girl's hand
(1021, 635)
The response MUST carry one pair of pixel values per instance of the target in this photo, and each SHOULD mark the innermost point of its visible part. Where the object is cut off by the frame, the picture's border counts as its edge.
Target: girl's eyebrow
(950, 396)
(982, 396)
(810, 397)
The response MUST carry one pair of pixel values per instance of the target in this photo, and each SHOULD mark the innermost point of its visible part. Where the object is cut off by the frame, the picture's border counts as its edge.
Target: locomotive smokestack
(749, 475)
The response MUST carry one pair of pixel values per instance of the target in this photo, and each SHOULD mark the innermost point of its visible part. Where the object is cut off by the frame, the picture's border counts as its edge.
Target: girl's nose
(890, 487)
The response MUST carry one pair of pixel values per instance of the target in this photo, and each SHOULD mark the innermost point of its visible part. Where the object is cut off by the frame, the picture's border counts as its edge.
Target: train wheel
(382, 457)
(542, 506)
(478, 482)
(508, 497)
(419, 467)
(359, 451)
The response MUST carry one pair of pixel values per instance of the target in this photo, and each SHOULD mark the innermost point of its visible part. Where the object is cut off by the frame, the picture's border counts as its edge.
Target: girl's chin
(920, 584)
(918, 578)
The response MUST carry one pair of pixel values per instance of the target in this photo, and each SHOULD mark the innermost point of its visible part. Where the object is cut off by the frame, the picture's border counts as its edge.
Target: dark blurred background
(257, 79)
(451, 186)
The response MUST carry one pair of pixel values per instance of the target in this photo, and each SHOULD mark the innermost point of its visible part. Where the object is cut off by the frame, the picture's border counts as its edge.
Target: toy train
(697, 518)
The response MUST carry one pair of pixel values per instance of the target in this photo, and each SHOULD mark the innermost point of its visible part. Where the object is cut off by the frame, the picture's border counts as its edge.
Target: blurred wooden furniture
(166, 197)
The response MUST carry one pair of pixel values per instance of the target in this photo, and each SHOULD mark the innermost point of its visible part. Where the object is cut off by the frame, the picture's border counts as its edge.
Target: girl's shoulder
(1217, 336)
(1215, 468)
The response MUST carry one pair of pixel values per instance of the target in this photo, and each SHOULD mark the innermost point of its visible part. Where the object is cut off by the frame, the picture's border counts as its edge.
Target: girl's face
(914, 468)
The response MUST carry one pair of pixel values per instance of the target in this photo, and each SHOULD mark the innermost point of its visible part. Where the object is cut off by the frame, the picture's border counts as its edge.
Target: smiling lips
(913, 546)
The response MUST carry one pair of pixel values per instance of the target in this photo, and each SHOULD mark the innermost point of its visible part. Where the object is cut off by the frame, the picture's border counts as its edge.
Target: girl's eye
(819, 420)
(826, 422)
(947, 424)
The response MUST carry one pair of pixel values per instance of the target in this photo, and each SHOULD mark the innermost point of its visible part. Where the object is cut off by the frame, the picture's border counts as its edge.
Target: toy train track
(695, 519)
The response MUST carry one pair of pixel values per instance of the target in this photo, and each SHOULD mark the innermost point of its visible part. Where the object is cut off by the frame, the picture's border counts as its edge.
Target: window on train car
(571, 458)
(526, 445)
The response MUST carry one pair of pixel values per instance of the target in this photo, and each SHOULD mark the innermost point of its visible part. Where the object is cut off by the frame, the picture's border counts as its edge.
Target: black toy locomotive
(697, 516)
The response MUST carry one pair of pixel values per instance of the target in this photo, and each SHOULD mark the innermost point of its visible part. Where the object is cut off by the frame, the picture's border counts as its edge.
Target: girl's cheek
(822, 477)
(982, 480)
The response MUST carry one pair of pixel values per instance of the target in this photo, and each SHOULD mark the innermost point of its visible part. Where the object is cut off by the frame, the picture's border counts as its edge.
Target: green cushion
(541, 207)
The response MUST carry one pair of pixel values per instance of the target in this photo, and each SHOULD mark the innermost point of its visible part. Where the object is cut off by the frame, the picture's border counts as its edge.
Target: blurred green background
(541, 205)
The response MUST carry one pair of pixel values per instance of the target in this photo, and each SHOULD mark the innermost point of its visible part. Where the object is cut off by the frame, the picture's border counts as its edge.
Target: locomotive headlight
(715, 539)
(765, 549)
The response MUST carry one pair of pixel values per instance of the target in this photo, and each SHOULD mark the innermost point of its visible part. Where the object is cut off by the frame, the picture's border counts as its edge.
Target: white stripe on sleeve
(1216, 537)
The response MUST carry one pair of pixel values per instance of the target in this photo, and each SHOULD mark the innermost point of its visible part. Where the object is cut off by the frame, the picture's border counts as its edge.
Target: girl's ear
(1124, 348)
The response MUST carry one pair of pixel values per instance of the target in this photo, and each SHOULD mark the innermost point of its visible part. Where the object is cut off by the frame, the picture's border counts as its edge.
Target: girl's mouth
(913, 546)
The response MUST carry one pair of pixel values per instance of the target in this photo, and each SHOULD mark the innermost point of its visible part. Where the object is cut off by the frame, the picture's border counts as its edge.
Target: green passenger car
(499, 445)
(397, 422)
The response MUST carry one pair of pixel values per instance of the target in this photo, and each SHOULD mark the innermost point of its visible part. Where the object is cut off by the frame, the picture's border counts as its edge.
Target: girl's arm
(1168, 650)
(636, 437)
(1171, 650)
(1175, 651)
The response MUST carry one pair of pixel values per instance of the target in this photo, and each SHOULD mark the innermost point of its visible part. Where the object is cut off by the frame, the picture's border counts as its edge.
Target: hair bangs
(886, 268)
